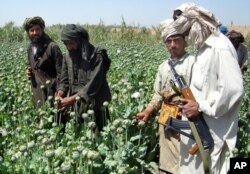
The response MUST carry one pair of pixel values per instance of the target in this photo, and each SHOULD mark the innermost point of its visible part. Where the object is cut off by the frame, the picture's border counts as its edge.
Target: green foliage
(247, 41)
(244, 122)
(40, 147)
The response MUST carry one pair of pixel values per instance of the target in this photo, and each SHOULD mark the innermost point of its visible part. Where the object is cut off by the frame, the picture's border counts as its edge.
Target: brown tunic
(46, 65)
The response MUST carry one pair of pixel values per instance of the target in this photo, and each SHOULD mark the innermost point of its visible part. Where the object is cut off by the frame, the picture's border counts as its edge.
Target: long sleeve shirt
(217, 85)
(162, 87)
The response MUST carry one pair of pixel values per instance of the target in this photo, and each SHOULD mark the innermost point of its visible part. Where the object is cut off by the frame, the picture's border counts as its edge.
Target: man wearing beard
(83, 79)
(44, 61)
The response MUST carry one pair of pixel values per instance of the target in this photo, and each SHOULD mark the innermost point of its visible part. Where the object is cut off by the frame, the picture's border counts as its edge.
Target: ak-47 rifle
(198, 126)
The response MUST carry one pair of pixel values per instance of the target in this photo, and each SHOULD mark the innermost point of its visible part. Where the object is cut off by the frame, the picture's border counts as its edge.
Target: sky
(146, 13)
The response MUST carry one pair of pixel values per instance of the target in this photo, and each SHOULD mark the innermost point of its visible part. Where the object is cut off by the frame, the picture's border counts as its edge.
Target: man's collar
(179, 60)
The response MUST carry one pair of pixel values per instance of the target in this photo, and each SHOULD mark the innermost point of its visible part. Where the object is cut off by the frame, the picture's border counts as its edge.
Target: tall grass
(98, 33)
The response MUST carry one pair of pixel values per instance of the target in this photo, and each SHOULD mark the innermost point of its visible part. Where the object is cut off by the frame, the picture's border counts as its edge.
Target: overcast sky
(135, 12)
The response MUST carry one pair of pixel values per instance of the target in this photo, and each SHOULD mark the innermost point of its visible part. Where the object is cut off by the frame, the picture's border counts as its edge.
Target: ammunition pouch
(168, 111)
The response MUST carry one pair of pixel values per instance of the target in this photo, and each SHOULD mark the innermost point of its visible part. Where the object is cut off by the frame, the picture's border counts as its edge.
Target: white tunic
(217, 85)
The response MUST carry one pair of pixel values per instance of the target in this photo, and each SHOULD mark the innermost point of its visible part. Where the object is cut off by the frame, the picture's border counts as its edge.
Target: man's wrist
(198, 107)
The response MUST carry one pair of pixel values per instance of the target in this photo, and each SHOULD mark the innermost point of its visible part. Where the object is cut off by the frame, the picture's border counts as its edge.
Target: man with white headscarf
(164, 94)
(216, 83)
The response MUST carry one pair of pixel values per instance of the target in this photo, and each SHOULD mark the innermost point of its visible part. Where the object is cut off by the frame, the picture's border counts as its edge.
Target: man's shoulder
(218, 41)
(103, 52)
(52, 44)
(189, 56)
(243, 47)
(53, 47)
(165, 62)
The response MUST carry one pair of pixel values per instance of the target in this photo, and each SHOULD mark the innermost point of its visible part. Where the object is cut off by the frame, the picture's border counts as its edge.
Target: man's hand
(190, 108)
(66, 102)
(142, 116)
(59, 94)
(28, 72)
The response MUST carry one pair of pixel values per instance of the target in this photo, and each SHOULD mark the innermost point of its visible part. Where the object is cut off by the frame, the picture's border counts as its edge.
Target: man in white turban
(165, 96)
(217, 85)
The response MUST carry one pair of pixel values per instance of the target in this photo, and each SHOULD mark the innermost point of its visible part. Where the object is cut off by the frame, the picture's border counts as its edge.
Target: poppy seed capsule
(91, 125)
(22, 148)
(79, 148)
(84, 115)
(30, 145)
(49, 153)
(66, 166)
(48, 82)
(235, 151)
(90, 112)
(13, 158)
(92, 155)
(77, 98)
(75, 155)
(72, 114)
(105, 103)
(50, 98)
(54, 124)
(141, 123)
(1, 159)
(84, 153)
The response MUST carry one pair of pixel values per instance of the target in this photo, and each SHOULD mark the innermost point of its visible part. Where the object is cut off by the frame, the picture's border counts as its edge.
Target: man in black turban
(237, 40)
(44, 61)
(83, 79)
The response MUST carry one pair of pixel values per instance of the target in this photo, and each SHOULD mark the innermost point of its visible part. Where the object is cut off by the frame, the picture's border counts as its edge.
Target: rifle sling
(204, 153)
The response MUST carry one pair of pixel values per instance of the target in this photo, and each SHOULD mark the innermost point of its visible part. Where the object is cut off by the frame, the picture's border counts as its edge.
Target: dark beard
(37, 40)
(75, 52)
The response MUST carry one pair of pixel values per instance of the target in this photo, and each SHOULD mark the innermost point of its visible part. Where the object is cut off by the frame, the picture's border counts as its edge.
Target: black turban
(235, 35)
(72, 31)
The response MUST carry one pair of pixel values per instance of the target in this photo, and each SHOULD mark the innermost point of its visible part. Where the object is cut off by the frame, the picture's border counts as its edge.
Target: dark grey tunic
(87, 79)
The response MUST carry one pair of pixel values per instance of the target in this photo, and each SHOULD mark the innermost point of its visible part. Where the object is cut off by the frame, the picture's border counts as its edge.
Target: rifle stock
(187, 94)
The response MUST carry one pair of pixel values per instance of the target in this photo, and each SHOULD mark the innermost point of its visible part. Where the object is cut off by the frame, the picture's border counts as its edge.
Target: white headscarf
(167, 29)
(198, 21)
